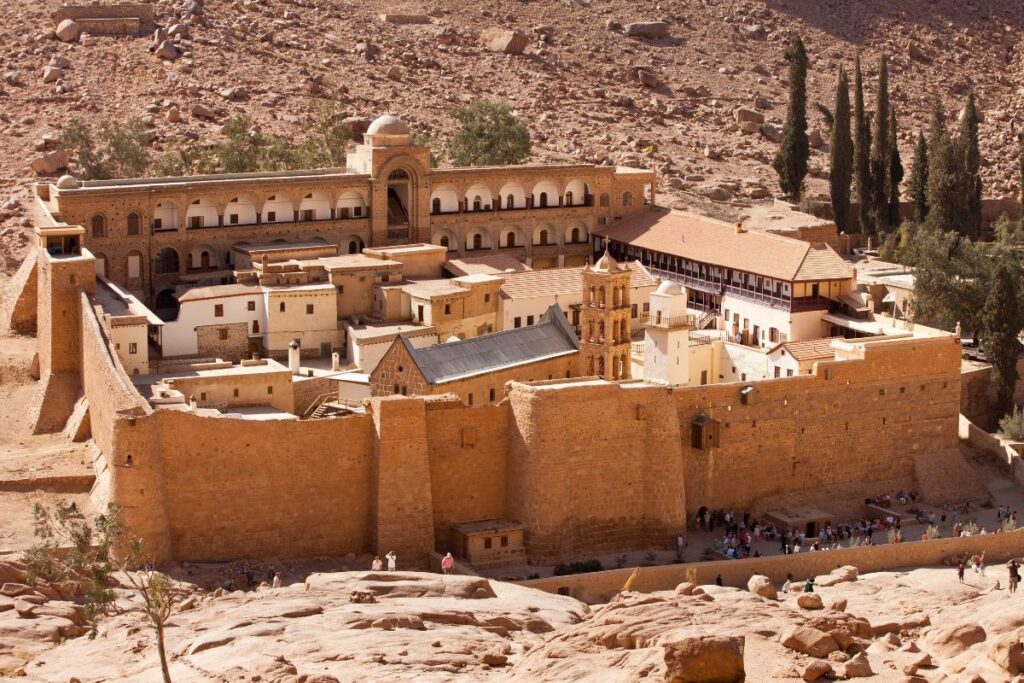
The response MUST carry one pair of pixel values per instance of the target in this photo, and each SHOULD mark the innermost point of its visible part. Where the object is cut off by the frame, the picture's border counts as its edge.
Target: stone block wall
(234, 346)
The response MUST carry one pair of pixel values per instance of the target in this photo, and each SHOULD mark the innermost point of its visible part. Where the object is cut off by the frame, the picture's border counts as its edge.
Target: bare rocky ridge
(919, 625)
(597, 80)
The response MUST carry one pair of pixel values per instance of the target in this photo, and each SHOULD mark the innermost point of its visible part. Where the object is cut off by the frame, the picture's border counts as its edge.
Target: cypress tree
(918, 183)
(1000, 324)
(880, 152)
(968, 143)
(791, 161)
(945, 185)
(841, 154)
(895, 173)
(1020, 161)
(861, 145)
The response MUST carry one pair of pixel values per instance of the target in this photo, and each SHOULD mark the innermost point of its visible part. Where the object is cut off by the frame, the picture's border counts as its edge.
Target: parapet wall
(601, 586)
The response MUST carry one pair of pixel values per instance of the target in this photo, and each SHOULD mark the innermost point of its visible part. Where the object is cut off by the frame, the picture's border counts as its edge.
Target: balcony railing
(668, 323)
(588, 201)
(811, 303)
(343, 222)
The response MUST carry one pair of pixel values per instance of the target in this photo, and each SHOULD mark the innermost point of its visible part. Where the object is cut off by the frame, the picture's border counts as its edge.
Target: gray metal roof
(549, 338)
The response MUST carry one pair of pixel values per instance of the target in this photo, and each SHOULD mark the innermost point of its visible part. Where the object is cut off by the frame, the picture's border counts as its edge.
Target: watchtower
(605, 333)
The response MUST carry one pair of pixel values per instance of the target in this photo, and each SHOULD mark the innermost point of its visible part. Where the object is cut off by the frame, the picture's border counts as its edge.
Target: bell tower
(605, 334)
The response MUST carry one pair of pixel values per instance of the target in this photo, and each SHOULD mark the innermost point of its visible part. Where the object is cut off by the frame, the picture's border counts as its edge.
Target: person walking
(447, 564)
(377, 565)
(960, 571)
(277, 580)
(718, 580)
(392, 559)
(1014, 570)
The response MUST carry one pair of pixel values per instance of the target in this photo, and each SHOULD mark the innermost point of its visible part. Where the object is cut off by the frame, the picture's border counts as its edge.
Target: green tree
(111, 151)
(791, 160)
(861, 146)
(895, 172)
(946, 199)
(841, 154)
(1000, 327)
(967, 139)
(68, 549)
(918, 183)
(881, 150)
(326, 145)
(491, 135)
(950, 277)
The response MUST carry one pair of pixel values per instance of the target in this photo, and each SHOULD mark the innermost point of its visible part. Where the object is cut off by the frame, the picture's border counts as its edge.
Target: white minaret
(667, 336)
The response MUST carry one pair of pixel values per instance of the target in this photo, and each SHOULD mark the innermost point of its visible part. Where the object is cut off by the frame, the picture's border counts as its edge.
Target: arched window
(204, 259)
(543, 237)
(627, 199)
(166, 261)
(603, 201)
(590, 365)
(600, 331)
(444, 239)
(510, 202)
(436, 205)
(510, 239)
(477, 203)
(600, 296)
(615, 297)
(590, 331)
(255, 326)
(353, 247)
(575, 236)
(133, 224)
(615, 368)
(478, 241)
(568, 198)
(543, 200)
(622, 330)
(593, 296)
(398, 174)
(99, 226)
(600, 366)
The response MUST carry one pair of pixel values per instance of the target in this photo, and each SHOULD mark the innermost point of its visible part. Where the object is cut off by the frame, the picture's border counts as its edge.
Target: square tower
(605, 334)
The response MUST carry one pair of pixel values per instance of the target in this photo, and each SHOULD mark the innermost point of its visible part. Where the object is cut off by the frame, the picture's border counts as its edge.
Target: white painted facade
(179, 335)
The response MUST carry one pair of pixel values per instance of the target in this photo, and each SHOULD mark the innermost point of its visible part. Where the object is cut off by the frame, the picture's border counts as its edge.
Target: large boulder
(502, 40)
(166, 50)
(1008, 653)
(646, 29)
(762, 585)
(705, 659)
(68, 31)
(809, 601)
(816, 669)
(809, 641)
(949, 641)
(743, 114)
(51, 162)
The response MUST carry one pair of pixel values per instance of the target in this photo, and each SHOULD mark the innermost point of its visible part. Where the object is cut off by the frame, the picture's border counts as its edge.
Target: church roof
(550, 338)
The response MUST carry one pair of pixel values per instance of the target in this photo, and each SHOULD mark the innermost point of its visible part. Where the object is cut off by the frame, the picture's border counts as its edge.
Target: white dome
(607, 264)
(67, 182)
(669, 287)
(452, 339)
(388, 124)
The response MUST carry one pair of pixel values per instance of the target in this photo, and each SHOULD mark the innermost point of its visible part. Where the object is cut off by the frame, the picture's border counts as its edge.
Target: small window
(487, 544)
(218, 310)
(158, 224)
(471, 399)
(223, 333)
(271, 216)
(202, 396)
(236, 393)
(270, 389)
(280, 307)
(133, 224)
(504, 541)
(133, 348)
(309, 309)
(251, 305)
(492, 395)
(518, 322)
(233, 219)
(633, 310)
(487, 298)
(447, 309)
(529, 320)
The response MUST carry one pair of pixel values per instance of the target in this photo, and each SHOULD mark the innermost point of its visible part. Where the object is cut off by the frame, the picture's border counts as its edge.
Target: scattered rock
(815, 670)
(917, 53)
(67, 31)
(494, 659)
(50, 163)
(753, 31)
(166, 50)
(201, 111)
(743, 114)
(446, 35)
(505, 41)
(647, 29)
(771, 131)
(173, 115)
(858, 667)
(809, 601)
(648, 79)
(51, 74)
(762, 585)
(809, 641)
(705, 659)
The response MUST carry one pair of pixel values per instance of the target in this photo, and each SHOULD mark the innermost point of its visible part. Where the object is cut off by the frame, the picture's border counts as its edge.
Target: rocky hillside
(915, 626)
(587, 89)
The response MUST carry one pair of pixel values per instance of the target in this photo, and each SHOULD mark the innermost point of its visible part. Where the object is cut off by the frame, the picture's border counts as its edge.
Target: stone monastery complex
(513, 363)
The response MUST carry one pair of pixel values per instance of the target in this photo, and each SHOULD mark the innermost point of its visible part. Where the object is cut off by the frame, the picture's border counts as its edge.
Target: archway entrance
(398, 199)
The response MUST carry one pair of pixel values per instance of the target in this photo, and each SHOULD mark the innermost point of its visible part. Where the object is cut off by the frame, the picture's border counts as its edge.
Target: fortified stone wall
(228, 341)
(19, 302)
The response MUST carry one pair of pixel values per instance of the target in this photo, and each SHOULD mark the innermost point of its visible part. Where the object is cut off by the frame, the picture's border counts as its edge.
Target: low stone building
(477, 369)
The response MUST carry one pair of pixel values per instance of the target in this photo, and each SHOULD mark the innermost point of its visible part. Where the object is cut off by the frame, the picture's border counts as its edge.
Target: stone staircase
(947, 477)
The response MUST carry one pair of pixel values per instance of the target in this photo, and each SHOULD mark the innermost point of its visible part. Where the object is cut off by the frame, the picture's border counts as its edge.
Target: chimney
(293, 357)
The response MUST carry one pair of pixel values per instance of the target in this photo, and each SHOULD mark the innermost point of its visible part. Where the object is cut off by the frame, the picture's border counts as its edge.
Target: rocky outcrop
(704, 659)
